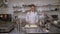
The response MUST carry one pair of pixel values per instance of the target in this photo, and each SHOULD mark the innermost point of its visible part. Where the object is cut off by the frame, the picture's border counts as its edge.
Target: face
(32, 8)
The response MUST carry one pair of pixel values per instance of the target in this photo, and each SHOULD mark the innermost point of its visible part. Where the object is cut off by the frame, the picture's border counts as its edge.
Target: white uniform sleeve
(27, 17)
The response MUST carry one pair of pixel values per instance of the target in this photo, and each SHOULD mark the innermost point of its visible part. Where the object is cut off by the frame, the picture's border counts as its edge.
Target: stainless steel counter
(52, 29)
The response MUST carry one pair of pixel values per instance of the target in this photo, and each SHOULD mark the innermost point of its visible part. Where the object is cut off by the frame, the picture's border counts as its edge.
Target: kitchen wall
(12, 3)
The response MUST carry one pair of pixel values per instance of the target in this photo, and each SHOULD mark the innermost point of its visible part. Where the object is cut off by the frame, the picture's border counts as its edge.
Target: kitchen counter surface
(53, 29)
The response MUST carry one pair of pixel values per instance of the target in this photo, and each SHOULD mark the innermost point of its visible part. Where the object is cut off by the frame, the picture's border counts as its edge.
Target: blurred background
(13, 14)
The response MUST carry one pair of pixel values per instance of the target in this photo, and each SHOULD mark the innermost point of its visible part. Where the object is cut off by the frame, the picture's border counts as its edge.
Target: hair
(32, 5)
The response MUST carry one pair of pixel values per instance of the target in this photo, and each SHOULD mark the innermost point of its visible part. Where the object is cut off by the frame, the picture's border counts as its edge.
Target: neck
(32, 11)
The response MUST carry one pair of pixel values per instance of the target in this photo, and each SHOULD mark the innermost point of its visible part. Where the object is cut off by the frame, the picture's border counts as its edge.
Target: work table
(53, 29)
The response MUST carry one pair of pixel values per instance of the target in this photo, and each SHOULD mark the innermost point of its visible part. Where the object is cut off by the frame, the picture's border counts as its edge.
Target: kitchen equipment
(55, 17)
(5, 17)
(56, 23)
(47, 27)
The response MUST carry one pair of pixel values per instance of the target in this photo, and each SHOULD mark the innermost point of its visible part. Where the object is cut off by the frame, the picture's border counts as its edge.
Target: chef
(32, 20)
(32, 17)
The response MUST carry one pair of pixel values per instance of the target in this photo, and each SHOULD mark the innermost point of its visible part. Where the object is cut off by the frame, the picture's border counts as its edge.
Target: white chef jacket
(32, 17)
